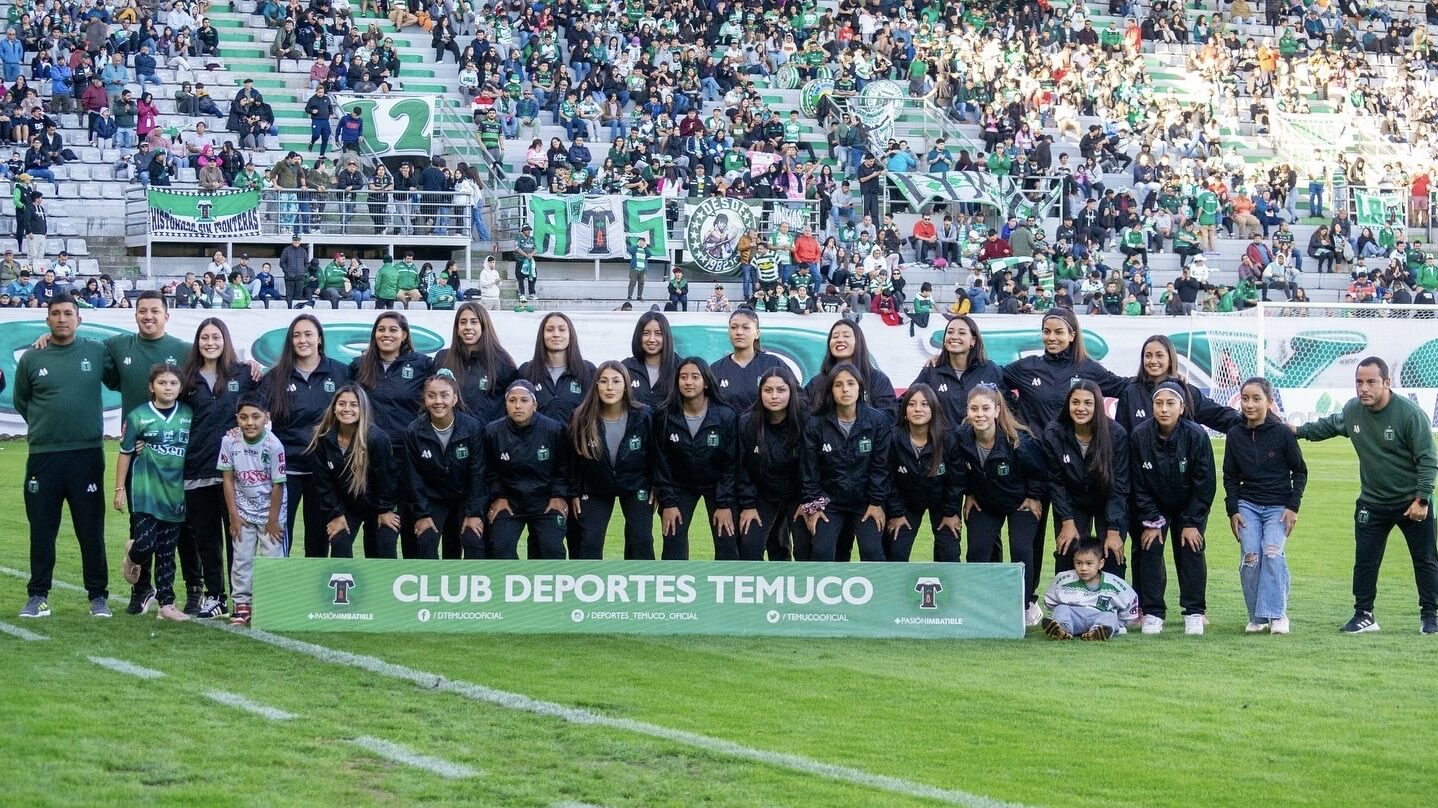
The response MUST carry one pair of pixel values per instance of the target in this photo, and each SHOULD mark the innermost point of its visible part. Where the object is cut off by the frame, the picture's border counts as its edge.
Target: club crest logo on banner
(711, 239)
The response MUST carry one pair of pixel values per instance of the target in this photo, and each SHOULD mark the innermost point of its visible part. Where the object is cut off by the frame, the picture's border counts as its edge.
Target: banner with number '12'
(393, 124)
(920, 601)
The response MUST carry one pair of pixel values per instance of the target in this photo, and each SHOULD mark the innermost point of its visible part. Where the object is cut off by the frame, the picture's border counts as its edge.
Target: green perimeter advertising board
(919, 601)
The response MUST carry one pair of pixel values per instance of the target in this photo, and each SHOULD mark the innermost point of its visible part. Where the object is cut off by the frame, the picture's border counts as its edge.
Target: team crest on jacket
(85, 365)
(406, 372)
(1002, 470)
(865, 445)
(1182, 465)
(543, 453)
(484, 384)
(329, 385)
(634, 444)
(461, 452)
(574, 388)
(233, 385)
(1388, 433)
(712, 439)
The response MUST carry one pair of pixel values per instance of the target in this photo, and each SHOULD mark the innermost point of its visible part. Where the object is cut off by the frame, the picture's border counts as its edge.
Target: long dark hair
(1076, 349)
(488, 353)
(824, 402)
(1100, 448)
(190, 378)
(977, 354)
(711, 388)
(584, 426)
(573, 360)
(667, 359)
(860, 359)
(938, 424)
(1167, 344)
(369, 362)
(285, 367)
(793, 424)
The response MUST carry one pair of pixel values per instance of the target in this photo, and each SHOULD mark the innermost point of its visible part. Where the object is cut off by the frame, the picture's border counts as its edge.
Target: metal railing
(440, 214)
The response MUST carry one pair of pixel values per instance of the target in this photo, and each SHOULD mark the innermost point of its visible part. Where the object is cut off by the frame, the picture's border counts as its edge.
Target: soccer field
(193, 715)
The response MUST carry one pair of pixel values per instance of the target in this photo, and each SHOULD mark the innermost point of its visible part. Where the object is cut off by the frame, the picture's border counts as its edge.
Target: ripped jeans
(1263, 569)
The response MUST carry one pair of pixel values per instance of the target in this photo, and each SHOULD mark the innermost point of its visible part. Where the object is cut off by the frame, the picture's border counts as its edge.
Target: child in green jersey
(152, 445)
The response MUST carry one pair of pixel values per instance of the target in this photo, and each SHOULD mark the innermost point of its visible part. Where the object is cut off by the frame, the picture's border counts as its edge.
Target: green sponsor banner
(222, 214)
(919, 601)
(393, 125)
(580, 226)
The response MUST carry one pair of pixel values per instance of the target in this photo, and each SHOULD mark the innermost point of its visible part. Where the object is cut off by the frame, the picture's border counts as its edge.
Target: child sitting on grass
(1087, 602)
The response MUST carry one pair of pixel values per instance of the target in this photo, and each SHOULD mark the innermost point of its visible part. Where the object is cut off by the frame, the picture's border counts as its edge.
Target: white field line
(574, 805)
(21, 633)
(127, 668)
(241, 703)
(21, 574)
(573, 715)
(400, 754)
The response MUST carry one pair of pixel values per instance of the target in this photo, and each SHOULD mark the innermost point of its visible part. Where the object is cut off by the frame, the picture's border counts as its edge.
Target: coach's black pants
(676, 545)
(546, 536)
(52, 480)
(593, 519)
(1091, 527)
(776, 532)
(899, 545)
(984, 539)
(1370, 534)
(1150, 574)
(834, 538)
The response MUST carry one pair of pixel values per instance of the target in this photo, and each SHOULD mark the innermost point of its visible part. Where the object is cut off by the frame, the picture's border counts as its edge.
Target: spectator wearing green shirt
(386, 283)
(407, 280)
(638, 265)
(332, 281)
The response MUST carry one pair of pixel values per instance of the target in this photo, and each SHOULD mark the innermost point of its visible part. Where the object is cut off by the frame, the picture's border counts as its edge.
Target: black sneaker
(1097, 634)
(140, 600)
(194, 597)
(1361, 622)
(213, 607)
(1054, 630)
(1429, 624)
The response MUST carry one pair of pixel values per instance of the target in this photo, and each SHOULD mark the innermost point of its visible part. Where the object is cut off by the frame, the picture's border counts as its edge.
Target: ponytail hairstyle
(369, 362)
(748, 314)
(667, 359)
(1076, 349)
(285, 367)
(793, 424)
(584, 428)
(938, 425)
(488, 353)
(190, 378)
(444, 376)
(357, 463)
(824, 403)
(1100, 450)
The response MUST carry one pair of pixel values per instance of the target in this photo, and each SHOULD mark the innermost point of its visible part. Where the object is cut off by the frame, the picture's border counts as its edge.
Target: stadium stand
(1287, 106)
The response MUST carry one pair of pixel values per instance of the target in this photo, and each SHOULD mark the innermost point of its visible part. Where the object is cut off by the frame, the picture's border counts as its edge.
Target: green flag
(223, 214)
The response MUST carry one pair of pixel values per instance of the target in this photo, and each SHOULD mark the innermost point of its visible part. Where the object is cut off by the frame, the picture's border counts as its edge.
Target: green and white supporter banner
(1002, 193)
(579, 226)
(755, 598)
(394, 125)
(218, 215)
(1377, 210)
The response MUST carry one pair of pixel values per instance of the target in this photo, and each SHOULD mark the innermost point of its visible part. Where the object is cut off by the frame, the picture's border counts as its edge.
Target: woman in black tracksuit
(1087, 458)
(526, 459)
(846, 345)
(920, 479)
(1040, 384)
(961, 365)
(557, 371)
(212, 381)
(737, 373)
(844, 470)
(1158, 363)
(479, 363)
(355, 472)
(392, 375)
(1004, 482)
(1174, 481)
(443, 468)
(696, 442)
(770, 438)
(651, 361)
(612, 440)
(299, 388)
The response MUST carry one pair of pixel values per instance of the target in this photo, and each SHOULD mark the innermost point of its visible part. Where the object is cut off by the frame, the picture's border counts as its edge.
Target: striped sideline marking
(127, 668)
(573, 715)
(399, 754)
(241, 703)
(25, 576)
(21, 633)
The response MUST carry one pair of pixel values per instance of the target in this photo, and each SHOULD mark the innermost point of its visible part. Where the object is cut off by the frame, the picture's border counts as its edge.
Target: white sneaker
(1278, 626)
(1256, 628)
(1193, 624)
(1032, 615)
(1152, 624)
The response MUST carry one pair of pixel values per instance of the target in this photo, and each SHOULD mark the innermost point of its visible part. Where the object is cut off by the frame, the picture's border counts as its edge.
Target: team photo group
(460, 454)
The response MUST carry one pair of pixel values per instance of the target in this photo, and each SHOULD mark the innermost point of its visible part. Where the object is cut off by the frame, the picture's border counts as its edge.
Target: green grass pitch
(1226, 719)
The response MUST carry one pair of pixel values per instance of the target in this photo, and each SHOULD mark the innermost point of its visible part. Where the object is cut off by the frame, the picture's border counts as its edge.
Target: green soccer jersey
(131, 357)
(1208, 208)
(157, 468)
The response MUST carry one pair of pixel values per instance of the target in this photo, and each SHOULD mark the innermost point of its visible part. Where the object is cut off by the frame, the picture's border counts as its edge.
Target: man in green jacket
(332, 281)
(1397, 465)
(386, 283)
(57, 392)
(408, 280)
